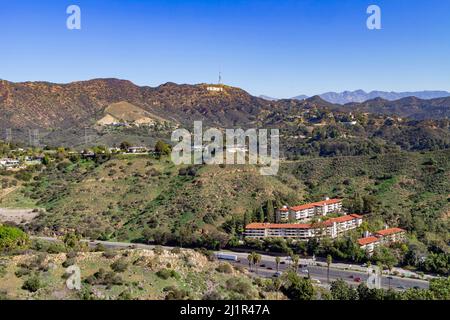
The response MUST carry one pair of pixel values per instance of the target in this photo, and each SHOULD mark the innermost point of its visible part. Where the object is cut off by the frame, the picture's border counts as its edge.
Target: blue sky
(279, 48)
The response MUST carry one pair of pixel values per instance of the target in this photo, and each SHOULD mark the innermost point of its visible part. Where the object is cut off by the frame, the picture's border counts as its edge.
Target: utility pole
(8, 137)
(33, 135)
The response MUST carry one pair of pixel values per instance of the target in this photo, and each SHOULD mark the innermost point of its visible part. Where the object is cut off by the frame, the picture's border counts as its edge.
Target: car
(305, 271)
(416, 287)
(357, 279)
(401, 287)
(269, 268)
(277, 274)
(351, 276)
(316, 281)
(263, 265)
(282, 262)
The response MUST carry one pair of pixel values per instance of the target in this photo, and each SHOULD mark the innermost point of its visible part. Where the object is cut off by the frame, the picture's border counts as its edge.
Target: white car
(316, 281)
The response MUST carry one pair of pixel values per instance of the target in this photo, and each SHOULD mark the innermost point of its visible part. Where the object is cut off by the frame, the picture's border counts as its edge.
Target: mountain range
(62, 112)
(362, 96)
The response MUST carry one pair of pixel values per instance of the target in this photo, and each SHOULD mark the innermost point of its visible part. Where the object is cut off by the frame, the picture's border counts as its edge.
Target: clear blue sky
(275, 47)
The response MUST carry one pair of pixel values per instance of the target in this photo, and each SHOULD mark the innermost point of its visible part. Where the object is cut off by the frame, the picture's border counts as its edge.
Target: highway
(267, 267)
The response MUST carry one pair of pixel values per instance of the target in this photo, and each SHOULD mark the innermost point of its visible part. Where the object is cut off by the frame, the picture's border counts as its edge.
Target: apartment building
(330, 228)
(307, 211)
(382, 237)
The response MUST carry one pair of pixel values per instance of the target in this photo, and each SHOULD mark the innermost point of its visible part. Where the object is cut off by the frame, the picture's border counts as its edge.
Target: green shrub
(225, 268)
(33, 284)
(120, 265)
(12, 238)
(167, 273)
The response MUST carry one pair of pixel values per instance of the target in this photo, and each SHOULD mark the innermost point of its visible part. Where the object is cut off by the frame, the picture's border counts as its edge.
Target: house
(8, 163)
(382, 237)
(114, 150)
(137, 150)
(307, 211)
(330, 228)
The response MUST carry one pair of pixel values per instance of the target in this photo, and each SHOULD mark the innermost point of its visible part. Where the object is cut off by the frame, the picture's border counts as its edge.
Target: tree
(295, 261)
(163, 148)
(124, 145)
(250, 261)
(270, 211)
(32, 284)
(440, 287)
(261, 215)
(340, 290)
(12, 238)
(329, 260)
(72, 240)
(257, 259)
(277, 262)
(297, 288)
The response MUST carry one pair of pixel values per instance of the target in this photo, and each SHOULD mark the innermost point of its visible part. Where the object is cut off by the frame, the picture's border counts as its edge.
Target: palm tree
(295, 260)
(250, 261)
(278, 261)
(256, 260)
(329, 260)
(380, 267)
(389, 267)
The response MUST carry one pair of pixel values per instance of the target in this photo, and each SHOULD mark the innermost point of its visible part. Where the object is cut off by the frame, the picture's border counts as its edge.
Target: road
(267, 267)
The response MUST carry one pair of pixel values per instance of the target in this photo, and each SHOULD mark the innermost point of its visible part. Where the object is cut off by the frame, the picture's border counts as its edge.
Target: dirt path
(5, 192)
(19, 216)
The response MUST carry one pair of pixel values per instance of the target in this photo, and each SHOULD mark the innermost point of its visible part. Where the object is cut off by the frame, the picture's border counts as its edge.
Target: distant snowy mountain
(361, 95)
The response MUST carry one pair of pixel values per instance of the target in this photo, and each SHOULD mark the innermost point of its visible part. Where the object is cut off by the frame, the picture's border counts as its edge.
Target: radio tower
(220, 77)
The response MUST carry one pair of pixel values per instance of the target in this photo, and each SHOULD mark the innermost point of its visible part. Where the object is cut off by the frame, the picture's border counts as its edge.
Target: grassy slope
(121, 197)
(197, 276)
(118, 199)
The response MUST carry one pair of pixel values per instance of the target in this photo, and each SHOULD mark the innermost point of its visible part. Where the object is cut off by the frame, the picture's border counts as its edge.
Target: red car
(357, 279)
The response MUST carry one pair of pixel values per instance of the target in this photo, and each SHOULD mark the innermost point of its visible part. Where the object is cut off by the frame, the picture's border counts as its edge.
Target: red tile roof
(387, 232)
(367, 240)
(346, 218)
(278, 226)
(314, 204)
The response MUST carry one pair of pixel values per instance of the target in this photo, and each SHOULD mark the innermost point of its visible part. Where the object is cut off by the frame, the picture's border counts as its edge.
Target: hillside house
(382, 237)
(330, 228)
(305, 212)
(8, 163)
(137, 150)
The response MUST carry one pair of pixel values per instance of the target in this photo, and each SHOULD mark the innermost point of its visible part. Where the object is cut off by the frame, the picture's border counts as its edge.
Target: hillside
(66, 114)
(130, 274)
(126, 196)
(410, 107)
(149, 200)
(127, 113)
